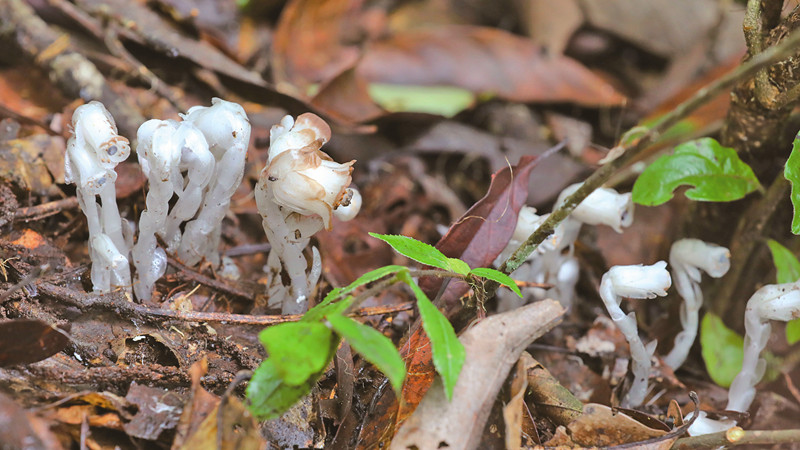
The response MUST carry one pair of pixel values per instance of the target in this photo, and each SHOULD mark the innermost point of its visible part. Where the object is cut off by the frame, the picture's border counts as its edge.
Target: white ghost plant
(298, 193)
(93, 152)
(635, 281)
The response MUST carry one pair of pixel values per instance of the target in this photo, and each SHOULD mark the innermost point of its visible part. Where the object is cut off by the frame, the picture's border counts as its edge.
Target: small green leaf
(269, 396)
(448, 352)
(721, 349)
(792, 173)
(416, 250)
(443, 100)
(298, 350)
(496, 275)
(373, 346)
(458, 266)
(788, 268)
(793, 331)
(323, 308)
(786, 264)
(716, 172)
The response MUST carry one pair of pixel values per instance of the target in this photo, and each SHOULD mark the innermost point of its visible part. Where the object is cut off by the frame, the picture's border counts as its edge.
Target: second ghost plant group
(196, 165)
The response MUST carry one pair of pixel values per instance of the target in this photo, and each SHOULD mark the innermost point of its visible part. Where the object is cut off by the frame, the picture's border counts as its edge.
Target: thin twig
(186, 273)
(737, 436)
(117, 303)
(48, 209)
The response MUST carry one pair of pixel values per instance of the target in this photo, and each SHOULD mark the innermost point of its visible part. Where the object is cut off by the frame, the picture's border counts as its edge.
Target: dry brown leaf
(492, 347)
(484, 60)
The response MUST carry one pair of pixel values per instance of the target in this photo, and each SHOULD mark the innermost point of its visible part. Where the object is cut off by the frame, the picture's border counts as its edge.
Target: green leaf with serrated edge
(788, 271)
(716, 172)
(269, 396)
(416, 250)
(496, 275)
(792, 173)
(458, 266)
(448, 352)
(373, 346)
(298, 350)
(721, 349)
(319, 311)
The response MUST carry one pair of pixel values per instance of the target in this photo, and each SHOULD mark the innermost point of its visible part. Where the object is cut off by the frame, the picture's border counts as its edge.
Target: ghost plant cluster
(298, 193)
(553, 261)
(193, 167)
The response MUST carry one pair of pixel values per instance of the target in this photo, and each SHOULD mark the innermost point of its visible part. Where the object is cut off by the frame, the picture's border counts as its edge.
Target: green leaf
(458, 266)
(269, 396)
(373, 346)
(448, 352)
(416, 250)
(721, 349)
(298, 350)
(793, 331)
(443, 100)
(716, 172)
(324, 307)
(792, 173)
(786, 264)
(496, 275)
(788, 268)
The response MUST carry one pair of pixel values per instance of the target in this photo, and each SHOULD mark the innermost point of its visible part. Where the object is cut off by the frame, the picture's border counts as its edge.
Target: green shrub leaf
(448, 352)
(788, 268)
(722, 350)
(298, 350)
(423, 253)
(786, 264)
(496, 275)
(458, 266)
(792, 173)
(716, 172)
(325, 307)
(269, 396)
(373, 346)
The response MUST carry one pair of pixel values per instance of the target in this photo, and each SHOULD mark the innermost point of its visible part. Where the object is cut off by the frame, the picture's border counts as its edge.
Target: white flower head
(293, 134)
(692, 254)
(82, 168)
(639, 281)
(224, 124)
(305, 179)
(776, 302)
(95, 128)
(603, 206)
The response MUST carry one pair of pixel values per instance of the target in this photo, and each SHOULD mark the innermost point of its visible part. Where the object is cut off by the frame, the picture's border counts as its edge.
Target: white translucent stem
(111, 219)
(110, 265)
(771, 302)
(634, 282)
(198, 162)
(687, 258)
